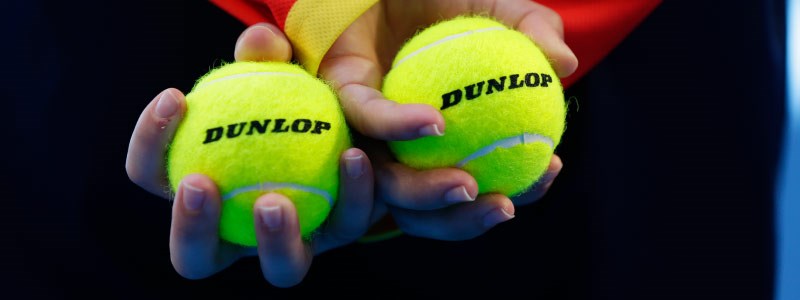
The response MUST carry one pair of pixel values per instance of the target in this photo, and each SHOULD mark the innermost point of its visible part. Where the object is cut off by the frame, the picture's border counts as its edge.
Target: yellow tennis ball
(502, 103)
(256, 127)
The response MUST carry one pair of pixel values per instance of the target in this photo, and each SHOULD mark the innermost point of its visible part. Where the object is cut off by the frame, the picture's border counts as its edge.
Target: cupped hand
(441, 203)
(196, 249)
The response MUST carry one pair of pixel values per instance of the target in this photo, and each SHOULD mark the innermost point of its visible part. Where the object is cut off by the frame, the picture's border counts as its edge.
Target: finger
(350, 218)
(545, 27)
(262, 42)
(194, 244)
(357, 78)
(408, 188)
(374, 116)
(458, 222)
(541, 186)
(153, 132)
(285, 259)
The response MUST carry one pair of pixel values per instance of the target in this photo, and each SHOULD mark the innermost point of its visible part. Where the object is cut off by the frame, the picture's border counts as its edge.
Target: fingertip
(430, 121)
(550, 175)
(192, 197)
(371, 114)
(262, 42)
(200, 182)
(547, 180)
(431, 189)
(284, 257)
(560, 55)
(503, 210)
(166, 105)
(458, 222)
(458, 194)
(547, 37)
(272, 198)
(354, 163)
(197, 197)
(153, 132)
(349, 217)
(194, 232)
(567, 62)
(169, 104)
(543, 184)
(556, 164)
(507, 205)
(466, 191)
(275, 213)
(403, 122)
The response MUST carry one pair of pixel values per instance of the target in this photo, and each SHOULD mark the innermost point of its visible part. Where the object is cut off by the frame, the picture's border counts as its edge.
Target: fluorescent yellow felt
(258, 127)
(506, 88)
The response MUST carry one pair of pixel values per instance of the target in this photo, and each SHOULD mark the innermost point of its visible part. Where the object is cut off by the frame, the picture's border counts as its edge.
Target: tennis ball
(502, 103)
(258, 127)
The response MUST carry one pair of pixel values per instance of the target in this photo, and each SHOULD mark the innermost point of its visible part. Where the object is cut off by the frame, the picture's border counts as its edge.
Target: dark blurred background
(666, 193)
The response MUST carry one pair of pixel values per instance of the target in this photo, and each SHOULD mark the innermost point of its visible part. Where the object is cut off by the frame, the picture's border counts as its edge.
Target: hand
(195, 247)
(441, 203)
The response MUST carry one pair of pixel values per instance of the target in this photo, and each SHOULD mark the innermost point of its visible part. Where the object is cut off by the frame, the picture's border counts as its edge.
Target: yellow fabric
(313, 25)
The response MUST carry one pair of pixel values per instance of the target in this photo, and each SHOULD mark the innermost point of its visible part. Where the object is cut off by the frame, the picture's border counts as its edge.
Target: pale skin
(438, 204)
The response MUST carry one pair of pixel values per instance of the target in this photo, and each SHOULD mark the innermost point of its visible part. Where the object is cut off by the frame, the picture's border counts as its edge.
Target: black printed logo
(491, 86)
(266, 126)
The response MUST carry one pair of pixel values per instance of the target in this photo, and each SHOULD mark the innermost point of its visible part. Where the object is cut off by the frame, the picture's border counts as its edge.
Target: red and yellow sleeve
(311, 25)
(592, 28)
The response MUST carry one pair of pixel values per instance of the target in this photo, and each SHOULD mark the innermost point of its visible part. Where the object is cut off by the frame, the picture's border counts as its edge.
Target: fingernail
(258, 26)
(167, 105)
(458, 195)
(497, 216)
(267, 28)
(192, 197)
(271, 217)
(248, 31)
(354, 165)
(430, 130)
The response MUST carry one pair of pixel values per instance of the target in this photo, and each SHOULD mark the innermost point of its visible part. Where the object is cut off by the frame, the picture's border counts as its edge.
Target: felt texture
(239, 97)
(451, 60)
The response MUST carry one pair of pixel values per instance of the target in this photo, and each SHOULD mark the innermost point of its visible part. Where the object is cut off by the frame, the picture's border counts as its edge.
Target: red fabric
(249, 12)
(592, 28)
(256, 11)
(280, 9)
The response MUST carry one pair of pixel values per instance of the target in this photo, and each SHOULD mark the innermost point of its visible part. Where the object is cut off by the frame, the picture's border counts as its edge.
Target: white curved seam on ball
(271, 186)
(229, 77)
(525, 138)
(443, 40)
